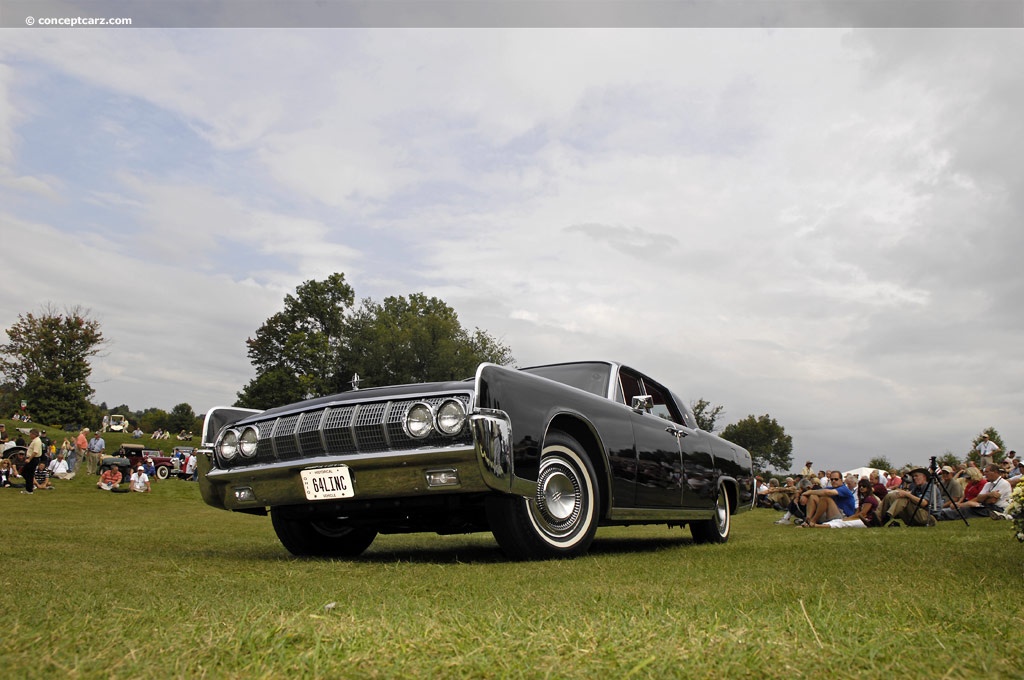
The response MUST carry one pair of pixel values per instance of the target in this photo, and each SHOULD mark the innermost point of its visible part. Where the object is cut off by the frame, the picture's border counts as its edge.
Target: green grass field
(102, 585)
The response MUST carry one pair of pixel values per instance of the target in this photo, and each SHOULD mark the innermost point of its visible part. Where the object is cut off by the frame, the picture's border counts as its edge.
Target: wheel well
(581, 432)
(732, 492)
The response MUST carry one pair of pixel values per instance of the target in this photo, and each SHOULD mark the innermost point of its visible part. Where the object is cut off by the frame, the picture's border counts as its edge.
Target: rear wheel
(560, 520)
(163, 472)
(716, 529)
(320, 537)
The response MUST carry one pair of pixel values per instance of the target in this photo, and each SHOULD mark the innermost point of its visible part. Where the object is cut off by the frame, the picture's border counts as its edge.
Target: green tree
(765, 439)
(994, 437)
(315, 345)
(46, 362)
(706, 414)
(182, 417)
(304, 340)
(880, 463)
(415, 339)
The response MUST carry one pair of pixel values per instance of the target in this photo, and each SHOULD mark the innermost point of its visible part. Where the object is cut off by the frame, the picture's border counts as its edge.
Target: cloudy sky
(821, 225)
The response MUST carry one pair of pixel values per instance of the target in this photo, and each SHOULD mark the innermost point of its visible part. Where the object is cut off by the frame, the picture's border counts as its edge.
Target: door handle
(678, 433)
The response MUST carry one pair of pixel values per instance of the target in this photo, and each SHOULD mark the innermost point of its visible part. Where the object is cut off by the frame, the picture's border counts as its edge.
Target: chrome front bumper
(486, 465)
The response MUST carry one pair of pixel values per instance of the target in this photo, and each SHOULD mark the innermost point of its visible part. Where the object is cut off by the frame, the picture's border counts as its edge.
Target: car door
(659, 462)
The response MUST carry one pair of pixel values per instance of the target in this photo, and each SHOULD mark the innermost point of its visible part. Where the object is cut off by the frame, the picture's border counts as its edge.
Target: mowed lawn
(102, 585)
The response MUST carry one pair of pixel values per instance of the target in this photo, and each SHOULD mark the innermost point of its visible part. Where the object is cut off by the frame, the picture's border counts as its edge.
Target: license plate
(323, 484)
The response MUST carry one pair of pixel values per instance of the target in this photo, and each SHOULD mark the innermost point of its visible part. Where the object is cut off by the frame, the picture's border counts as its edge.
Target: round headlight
(227, 447)
(418, 420)
(247, 441)
(450, 416)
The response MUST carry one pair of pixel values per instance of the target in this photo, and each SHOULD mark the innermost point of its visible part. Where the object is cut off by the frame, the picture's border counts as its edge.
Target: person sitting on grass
(867, 511)
(909, 505)
(990, 502)
(110, 479)
(975, 483)
(140, 481)
(797, 508)
(835, 502)
(42, 480)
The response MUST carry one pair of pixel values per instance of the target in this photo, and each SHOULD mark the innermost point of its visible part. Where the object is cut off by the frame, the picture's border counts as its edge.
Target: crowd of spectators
(914, 497)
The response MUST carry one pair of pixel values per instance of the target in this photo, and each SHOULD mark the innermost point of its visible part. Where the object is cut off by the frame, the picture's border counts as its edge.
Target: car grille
(345, 430)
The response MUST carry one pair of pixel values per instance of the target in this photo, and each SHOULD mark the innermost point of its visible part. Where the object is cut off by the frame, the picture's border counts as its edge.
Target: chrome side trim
(657, 515)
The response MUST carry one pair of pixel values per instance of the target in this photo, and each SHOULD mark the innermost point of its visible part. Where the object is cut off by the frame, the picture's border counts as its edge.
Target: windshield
(589, 377)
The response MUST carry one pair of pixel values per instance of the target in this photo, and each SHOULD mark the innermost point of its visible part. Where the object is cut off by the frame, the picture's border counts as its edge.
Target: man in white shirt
(59, 467)
(140, 481)
(986, 447)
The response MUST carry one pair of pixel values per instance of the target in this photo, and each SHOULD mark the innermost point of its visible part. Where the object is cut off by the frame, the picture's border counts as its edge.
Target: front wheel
(320, 537)
(560, 520)
(716, 529)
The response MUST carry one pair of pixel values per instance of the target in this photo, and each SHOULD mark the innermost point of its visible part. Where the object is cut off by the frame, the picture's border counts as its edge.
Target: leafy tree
(415, 339)
(152, 418)
(182, 417)
(706, 414)
(304, 339)
(46, 362)
(948, 458)
(880, 463)
(315, 345)
(994, 437)
(767, 441)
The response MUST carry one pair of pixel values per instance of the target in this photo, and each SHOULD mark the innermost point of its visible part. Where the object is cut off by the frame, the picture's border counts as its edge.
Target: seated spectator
(835, 502)
(866, 514)
(877, 485)
(137, 433)
(110, 479)
(975, 483)
(140, 481)
(761, 493)
(781, 496)
(797, 509)
(6, 473)
(950, 489)
(895, 481)
(991, 501)
(149, 468)
(42, 478)
(909, 504)
(59, 467)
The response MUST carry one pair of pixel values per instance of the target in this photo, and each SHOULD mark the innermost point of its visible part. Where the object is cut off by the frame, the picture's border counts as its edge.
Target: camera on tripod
(933, 464)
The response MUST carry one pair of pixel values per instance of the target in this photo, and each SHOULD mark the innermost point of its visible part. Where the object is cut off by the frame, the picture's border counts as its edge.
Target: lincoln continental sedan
(540, 457)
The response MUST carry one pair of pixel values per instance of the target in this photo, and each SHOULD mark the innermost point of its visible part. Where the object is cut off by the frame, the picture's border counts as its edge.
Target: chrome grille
(345, 430)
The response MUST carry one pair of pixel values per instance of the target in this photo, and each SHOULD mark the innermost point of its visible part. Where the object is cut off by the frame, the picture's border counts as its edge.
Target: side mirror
(642, 403)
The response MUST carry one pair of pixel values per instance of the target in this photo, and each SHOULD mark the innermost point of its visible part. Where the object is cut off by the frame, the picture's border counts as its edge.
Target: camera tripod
(934, 479)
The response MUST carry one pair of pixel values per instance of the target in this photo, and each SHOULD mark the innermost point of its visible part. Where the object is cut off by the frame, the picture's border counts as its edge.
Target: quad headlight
(247, 442)
(227, 447)
(418, 420)
(450, 417)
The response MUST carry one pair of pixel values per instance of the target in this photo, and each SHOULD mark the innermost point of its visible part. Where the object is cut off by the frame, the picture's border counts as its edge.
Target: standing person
(32, 458)
(96, 448)
(82, 451)
(808, 471)
(986, 448)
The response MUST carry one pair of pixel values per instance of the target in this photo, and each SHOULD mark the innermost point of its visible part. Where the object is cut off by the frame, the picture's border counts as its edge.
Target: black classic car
(538, 456)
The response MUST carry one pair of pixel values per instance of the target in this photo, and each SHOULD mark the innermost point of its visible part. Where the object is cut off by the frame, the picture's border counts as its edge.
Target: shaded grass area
(160, 585)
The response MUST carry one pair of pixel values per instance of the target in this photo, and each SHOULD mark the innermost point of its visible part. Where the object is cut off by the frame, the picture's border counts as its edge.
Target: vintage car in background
(538, 456)
(130, 456)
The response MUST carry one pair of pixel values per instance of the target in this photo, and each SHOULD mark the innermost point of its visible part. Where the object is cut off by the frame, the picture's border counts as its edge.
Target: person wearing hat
(909, 505)
(140, 481)
(808, 471)
(950, 489)
(986, 448)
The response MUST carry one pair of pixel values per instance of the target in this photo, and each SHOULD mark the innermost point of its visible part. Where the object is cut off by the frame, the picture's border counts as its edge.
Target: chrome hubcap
(559, 496)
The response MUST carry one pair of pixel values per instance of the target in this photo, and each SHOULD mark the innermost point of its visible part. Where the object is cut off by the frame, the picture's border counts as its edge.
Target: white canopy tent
(866, 472)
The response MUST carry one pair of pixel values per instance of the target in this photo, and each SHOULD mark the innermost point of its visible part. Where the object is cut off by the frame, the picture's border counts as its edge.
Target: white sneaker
(784, 520)
(995, 514)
